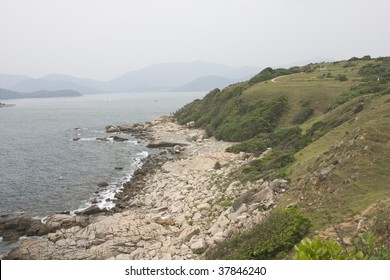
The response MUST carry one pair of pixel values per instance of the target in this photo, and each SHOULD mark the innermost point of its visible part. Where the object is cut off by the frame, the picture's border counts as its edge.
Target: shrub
(262, 141)
(303, 115)
(365, 247)
(317, 249)
(272, 239)
(342, 78)
(226, 116)
(217, 165)
(353, 59)
(349, 64)
(269, 73)
(371, 247)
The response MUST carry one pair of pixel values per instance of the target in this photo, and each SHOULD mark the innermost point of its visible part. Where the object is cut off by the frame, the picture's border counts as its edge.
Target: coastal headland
(176, 207)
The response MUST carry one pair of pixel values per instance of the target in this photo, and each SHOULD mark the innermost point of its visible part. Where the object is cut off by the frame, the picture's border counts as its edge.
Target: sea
(43, 171)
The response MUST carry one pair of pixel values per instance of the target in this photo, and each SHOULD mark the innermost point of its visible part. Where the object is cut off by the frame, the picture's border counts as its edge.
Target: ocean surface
(43, 171)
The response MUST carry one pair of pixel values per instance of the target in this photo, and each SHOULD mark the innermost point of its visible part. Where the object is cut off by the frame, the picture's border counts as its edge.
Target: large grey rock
(93, 209)
(119, 139)
(137, 254)
(14, 226)
(164, 144)
(111, 129)
(198, 246)
(190, 124)
(192, 136)
(126, 127)
(177, 149)
(325, 172)
(203, 206)
(264, 195)
(102, 184)
(188, 233)
(278, 184)
(219, 237)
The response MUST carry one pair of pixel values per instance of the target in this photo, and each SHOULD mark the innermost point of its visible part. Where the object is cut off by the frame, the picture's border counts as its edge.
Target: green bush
(365, 247)
(371, 247)
(255, 146)
(262, 141)
(317, 249)
(303, 115)
(342, 78)
(226, 116)
(269, 73)
(217, 165)
(272, 239)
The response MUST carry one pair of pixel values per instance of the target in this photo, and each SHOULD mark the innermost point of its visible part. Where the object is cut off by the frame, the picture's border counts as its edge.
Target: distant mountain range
(10, 94)
(194, 76)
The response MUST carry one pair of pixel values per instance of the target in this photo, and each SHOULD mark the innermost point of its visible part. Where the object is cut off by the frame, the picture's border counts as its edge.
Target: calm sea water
(42, 171)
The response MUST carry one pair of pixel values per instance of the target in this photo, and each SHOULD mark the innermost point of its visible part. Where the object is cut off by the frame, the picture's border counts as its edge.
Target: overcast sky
(103, 39)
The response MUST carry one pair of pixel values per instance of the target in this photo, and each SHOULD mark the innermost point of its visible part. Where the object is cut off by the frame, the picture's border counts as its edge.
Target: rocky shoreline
(179, 204)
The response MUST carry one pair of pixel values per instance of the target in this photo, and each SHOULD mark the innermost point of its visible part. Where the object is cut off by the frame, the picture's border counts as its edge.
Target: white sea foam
(44, 219)
(106, 197)
(92, 139)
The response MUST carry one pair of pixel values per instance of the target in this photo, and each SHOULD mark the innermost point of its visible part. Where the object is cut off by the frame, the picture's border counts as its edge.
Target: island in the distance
(10, 94)
(5, 105)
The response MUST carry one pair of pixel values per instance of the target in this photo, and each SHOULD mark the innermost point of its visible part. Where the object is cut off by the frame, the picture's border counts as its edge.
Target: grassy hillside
(328, 125)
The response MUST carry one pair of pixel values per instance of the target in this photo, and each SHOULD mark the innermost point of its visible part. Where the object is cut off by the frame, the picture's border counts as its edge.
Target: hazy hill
(9, 94)
(31, 85)
(8, 81)
(168, 76)
(328, 125)
(207, 83)
(158, 77)
(92, 84)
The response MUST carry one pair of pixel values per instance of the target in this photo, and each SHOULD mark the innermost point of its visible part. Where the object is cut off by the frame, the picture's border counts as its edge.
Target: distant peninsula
(10, 94)
(4, 105)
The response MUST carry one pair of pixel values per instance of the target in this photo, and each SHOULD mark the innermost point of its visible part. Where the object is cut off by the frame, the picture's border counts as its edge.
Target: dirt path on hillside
(357, 223)
(274, 79)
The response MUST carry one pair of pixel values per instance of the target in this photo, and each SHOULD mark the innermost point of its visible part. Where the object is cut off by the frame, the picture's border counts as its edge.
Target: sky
(103, 39)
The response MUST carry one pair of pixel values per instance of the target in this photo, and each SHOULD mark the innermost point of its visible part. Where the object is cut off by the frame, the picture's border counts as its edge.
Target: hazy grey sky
(105, 38)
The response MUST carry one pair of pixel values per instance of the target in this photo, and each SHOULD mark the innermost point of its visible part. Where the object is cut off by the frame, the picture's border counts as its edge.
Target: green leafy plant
(368, 243)
(318, 249)
(365, 247)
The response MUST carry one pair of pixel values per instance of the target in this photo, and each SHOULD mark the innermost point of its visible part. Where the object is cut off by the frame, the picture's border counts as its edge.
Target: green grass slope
(328, 125)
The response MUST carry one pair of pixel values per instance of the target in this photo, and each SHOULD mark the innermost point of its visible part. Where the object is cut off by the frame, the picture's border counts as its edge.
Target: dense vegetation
(224, 115)
(271, 240)
(269, 73)
(328, 125)
(240, 113)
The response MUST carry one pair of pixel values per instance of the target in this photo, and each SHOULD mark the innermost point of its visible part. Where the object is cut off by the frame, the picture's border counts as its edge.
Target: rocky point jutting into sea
(176, 207)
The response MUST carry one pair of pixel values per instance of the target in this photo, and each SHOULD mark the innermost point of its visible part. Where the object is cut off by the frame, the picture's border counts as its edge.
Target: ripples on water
(42, 171)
